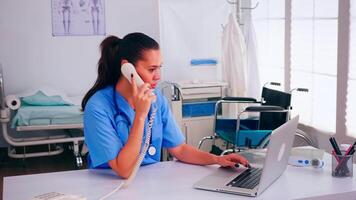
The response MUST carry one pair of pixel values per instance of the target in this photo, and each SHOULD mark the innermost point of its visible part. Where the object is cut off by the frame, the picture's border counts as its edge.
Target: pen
(335, 146)
(351, 149)
(335, 156)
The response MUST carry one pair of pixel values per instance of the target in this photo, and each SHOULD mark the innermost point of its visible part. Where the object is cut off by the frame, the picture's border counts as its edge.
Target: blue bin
(198, 109)
(239, 138)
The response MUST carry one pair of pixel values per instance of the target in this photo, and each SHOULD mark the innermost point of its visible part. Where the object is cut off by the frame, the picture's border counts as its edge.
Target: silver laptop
(253, 181)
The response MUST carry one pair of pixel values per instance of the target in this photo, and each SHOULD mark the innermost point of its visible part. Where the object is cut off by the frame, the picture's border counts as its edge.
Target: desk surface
(174, 180)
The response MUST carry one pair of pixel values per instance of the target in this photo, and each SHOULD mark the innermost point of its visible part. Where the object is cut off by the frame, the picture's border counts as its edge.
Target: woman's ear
(124, 61)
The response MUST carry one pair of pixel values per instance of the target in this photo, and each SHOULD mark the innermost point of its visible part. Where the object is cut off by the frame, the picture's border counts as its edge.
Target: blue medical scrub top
(107, 127)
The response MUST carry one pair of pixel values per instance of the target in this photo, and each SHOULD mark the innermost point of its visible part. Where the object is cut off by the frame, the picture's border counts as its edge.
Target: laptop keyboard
(248, 179)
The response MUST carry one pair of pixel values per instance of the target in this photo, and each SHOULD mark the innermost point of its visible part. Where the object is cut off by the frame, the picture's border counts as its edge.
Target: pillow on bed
(40, 99)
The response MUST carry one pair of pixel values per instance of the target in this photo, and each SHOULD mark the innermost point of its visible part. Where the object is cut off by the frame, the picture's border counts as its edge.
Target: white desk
(174, 180)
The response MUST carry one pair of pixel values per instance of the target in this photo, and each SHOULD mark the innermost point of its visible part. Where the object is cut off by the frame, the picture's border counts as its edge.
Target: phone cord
(140, 157)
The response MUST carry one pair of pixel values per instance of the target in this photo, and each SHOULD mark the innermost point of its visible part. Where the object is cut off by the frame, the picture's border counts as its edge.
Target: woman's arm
(189, 154)
(125, 161)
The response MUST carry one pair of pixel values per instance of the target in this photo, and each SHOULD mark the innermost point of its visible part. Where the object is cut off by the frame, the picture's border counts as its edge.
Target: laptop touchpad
(220, 177)
(224, 173)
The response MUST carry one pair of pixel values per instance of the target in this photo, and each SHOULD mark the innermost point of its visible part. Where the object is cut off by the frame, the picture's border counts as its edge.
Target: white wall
(31, 57)
(187, 34)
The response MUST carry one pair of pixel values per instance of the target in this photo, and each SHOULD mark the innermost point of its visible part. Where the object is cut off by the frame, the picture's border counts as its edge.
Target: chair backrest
(271, 121)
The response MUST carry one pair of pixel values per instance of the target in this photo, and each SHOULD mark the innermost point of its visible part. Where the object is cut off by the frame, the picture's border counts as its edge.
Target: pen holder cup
(342, 165)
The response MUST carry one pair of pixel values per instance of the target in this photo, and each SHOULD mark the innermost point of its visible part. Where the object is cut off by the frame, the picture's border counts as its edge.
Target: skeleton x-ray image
(78, 17)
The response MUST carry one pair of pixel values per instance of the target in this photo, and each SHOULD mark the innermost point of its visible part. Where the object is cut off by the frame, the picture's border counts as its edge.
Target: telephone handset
(127, 69)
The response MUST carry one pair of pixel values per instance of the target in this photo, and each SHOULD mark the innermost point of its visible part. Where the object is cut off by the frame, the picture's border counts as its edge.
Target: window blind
(269, 19)
(314, 61)
(351, 86)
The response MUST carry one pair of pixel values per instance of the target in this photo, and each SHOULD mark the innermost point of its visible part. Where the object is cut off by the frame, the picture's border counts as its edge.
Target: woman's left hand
(231, 160)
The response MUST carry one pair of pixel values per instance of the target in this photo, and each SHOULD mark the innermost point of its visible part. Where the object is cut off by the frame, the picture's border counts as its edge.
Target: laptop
(253, 181)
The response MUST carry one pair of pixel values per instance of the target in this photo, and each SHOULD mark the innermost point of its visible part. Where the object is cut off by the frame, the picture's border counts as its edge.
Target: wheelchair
(240, 133)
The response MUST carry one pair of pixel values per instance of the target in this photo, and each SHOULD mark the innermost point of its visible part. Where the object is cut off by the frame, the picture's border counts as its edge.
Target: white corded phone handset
(127, 69)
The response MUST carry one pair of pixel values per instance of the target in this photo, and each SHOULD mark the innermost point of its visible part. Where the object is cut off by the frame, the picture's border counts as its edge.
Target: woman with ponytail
(116, 111)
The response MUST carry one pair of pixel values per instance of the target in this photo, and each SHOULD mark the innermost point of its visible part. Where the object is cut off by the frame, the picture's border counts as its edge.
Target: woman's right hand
(143, 96)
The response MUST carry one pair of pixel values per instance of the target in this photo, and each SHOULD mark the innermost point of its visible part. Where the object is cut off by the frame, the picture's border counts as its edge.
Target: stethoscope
(151, 149)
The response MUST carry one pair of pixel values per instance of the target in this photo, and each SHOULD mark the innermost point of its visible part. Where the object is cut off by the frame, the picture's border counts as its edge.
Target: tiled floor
(11, 167)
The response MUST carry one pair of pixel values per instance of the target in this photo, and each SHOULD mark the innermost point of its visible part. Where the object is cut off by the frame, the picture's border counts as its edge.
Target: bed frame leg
(78, 157)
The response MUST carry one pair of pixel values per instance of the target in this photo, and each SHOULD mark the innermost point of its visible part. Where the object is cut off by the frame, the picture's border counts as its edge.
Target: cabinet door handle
(186, 133)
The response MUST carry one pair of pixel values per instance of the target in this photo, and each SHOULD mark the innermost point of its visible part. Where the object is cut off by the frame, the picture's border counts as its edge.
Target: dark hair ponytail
(113, 51)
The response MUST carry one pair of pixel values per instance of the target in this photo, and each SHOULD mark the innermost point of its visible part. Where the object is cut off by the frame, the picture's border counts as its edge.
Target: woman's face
(149, 68)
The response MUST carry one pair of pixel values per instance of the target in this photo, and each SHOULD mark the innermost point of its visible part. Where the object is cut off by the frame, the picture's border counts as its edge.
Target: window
(314, 61)
(314, 57)
(268, 19)
(351, 87)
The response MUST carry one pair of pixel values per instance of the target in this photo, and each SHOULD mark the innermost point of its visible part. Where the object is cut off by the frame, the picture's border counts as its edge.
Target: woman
(116, 112)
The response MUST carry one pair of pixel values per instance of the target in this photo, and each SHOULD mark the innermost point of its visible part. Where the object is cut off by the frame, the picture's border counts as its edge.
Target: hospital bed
(67, 120)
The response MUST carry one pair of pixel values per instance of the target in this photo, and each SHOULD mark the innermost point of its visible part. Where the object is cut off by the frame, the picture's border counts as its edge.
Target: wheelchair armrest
(265, 109)
(210, 137)
(244, 99)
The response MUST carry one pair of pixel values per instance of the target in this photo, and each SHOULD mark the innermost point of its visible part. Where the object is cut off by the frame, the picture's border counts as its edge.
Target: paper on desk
(58, 196)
